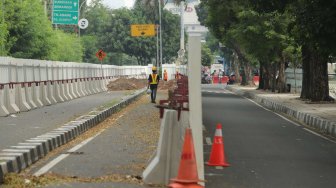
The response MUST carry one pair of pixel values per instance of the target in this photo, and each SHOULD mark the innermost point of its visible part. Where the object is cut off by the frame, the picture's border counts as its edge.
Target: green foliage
(67, 47)
(207, 56)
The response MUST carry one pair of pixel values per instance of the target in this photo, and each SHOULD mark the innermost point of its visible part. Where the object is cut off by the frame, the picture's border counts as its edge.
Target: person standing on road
(165, 75)
(153, 82)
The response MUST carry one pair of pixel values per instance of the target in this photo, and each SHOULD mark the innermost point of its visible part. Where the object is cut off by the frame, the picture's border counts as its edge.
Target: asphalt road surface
(19, 127)
(263, 148)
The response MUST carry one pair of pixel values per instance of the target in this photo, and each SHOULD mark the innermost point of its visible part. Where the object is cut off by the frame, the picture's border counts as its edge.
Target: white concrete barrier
(29, 95)
(50, 93)
(57, 92)
(9, 95)
(36, 95)
(3, 109)
(72, 90)
(20, 98)
(164, 165)
(44, 94)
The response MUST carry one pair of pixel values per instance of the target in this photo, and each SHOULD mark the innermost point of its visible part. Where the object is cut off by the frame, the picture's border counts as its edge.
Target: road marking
(212, 174)
(257, 104)
(283, 117)
(54, 162)
(208, 141)
(219, 167)
(319, 135)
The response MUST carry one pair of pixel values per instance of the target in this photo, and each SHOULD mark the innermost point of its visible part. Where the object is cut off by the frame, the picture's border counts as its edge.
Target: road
(263, 148)
(19, 127)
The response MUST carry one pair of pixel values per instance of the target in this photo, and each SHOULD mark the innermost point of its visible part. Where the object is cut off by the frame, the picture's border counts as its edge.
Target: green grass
(108, 105)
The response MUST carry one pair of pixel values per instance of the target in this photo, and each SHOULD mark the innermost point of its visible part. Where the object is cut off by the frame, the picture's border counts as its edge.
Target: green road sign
(65, 12)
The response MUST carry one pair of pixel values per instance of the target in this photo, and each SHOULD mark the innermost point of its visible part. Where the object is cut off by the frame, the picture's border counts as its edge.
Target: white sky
(114, 4)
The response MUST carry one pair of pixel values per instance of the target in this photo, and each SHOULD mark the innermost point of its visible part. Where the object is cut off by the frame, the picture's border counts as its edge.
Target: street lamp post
(160, 15)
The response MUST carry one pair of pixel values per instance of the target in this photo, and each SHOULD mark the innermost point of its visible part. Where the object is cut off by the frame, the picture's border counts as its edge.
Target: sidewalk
(320, 117)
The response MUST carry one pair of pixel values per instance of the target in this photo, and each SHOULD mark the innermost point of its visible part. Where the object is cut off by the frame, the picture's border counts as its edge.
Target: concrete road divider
(20, 98)
(9, 100)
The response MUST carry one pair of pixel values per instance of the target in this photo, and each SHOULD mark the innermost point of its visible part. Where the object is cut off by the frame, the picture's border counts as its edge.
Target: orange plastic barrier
(256, 80)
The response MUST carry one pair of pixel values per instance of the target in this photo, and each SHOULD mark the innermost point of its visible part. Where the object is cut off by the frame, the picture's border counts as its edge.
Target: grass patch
(108, 105)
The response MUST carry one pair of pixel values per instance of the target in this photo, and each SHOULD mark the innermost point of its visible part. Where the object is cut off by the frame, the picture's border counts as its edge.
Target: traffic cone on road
(217, 155)
(187, 176)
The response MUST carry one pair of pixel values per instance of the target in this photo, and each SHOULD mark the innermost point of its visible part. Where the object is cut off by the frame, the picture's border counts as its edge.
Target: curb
(321, 125)
(18, 157)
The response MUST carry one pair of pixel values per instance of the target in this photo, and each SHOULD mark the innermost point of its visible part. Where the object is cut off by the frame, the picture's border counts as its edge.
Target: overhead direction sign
(138, 30)
(65, 12)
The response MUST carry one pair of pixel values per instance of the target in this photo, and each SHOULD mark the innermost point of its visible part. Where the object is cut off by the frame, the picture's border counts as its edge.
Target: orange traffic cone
(217, 155)
(187, 176)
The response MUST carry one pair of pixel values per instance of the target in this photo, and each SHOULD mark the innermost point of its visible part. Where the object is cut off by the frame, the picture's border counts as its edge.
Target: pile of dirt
(126, 84)
(170, 85)
(134, 84)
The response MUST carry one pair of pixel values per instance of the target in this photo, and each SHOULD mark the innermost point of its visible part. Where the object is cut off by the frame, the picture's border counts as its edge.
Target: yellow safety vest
(154, 79)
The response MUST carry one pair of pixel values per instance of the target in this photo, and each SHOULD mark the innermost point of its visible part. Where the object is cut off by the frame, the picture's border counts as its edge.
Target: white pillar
(195, 106)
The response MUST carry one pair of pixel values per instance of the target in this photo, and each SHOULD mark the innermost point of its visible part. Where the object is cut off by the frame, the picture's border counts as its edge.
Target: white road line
(258, 104)
(208, 141)
(54, 162)
(317, 134)
(283, 117)
(219, 167)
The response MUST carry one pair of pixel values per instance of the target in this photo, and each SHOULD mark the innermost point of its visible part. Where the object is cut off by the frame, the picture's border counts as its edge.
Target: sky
(114, 4)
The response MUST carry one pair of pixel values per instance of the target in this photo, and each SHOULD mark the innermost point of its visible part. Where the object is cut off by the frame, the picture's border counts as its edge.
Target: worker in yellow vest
(153, 82)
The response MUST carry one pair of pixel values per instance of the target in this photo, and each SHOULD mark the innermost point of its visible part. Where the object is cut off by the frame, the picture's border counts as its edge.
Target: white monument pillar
(195, 106)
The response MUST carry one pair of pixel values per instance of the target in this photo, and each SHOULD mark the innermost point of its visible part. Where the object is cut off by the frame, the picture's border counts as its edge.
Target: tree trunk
(267, 79)
(305, 91)
(318, 83)
(261, 76)
(281, 78)
(273, 76)
(236, 69)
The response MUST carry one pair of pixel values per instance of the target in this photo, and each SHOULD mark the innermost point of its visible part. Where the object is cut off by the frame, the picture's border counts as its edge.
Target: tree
(29, 30)
(206, 58)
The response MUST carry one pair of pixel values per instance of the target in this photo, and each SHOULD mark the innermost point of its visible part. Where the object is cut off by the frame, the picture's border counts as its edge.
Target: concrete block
(58, 137)
(54, 142)
(57, 92)
(164, 165)
(44, 95)
(11, 164)
(77, 89)
(20, 98)
(50, 93)
(36, 97)
(9, 99)
(21, 163)
(44, 142)
(39, 147)
(83, 88)
(3, 109)
(62, 92)
(26, 154)
(32, 150)
(3, 171)
(67, 91)
(72, 90)
(47, 143)
(29, 96)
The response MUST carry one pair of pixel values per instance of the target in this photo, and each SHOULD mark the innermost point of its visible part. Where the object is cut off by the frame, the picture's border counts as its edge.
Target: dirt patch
(126, 84)
(170, 85)
(133, 84)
